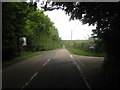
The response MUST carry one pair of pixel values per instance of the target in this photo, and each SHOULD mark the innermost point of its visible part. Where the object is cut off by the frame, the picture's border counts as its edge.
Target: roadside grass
(85, 53)
(24, 56)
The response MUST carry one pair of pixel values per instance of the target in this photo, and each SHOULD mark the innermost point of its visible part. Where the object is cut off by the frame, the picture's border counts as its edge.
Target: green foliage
(24, 20)
(40, 32)
(13, 21)
(80, 47)
(84, 53)
(106, 17)
(99, 46)
(78, 44)
(24, 55)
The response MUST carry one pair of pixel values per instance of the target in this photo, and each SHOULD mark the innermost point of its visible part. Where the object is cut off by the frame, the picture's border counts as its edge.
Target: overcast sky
(64, 26)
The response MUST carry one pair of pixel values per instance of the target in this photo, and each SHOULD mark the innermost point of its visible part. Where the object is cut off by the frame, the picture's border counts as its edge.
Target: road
(54, 69)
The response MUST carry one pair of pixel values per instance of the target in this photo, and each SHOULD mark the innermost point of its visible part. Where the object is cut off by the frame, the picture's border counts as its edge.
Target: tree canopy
(13, 23)
(21, 19)
(106, 16)
(40, 29)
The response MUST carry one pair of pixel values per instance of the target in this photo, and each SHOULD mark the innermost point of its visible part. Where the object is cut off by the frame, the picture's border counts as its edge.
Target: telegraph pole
(71, 35)
(71, 39)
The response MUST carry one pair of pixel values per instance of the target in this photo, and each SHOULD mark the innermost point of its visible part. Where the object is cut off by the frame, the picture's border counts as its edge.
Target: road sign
(23, 39)
(91, 43)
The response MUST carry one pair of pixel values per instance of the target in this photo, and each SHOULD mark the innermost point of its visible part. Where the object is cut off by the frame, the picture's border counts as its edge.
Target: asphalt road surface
(54, 69)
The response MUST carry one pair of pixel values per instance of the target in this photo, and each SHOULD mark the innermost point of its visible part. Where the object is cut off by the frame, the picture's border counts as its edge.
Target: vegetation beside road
(23, 20)
(85, 53)
(105, 17)
(22, 57)
(81, 47)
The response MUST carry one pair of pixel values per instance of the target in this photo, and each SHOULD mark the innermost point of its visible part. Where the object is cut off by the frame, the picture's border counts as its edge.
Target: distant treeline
(21, 19)
(83, 45)
(78, 44)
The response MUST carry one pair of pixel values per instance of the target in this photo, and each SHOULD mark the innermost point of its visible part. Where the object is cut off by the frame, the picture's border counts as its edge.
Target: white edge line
(78, 67)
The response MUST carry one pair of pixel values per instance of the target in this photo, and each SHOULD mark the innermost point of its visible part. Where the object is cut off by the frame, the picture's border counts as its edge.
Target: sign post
(91, 43)
(24, 43)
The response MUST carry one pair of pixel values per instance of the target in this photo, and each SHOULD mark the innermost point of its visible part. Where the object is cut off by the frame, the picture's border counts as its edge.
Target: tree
(106, 17)
(40, 32)
(13, 23)
(24, 20)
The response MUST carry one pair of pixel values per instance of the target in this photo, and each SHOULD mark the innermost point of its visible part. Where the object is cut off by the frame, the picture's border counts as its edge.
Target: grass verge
(24, 56)
(85, 53)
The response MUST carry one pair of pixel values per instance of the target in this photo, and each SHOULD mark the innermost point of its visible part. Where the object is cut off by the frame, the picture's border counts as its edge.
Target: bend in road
(55, 69)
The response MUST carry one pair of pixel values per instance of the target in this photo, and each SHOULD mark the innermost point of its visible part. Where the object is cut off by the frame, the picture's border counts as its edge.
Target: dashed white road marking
(29, 80)
(48, 60)
(46, 63)
(35, 74)
(71, 56)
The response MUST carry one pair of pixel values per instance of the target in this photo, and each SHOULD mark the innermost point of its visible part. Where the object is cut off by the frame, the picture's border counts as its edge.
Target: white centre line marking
(71, 56)
(29, 80)
(46, 62)
(35, 74)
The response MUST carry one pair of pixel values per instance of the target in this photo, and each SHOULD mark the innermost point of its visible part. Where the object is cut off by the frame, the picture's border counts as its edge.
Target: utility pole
(71, 35)
(71, 44)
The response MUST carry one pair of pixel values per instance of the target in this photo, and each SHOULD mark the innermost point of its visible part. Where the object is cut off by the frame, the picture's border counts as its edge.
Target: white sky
(64, 26)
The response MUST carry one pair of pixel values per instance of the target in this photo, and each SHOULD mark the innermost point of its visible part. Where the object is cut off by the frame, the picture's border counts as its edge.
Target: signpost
(23, 39)
(24, 43)
(91, 42)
